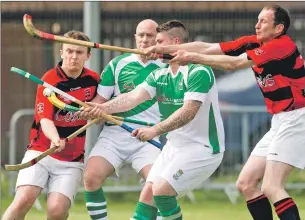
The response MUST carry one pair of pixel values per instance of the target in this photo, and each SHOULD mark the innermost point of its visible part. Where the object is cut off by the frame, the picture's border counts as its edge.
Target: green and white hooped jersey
(123, 74)
(192, 82)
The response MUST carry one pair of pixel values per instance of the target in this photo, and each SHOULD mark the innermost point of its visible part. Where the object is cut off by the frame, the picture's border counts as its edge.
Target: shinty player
(279, 69)
(188, 102)
(115, 147)
(62, 171)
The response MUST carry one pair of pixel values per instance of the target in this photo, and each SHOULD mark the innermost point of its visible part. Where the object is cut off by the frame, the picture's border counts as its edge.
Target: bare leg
(23, 201)
(275, 177)
(146, 195)
(250, 176)
(58, 206)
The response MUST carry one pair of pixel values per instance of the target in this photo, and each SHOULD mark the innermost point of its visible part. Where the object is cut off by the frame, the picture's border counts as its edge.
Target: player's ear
(88, 56)
(61, 53)
(280, 28)
(177, 40)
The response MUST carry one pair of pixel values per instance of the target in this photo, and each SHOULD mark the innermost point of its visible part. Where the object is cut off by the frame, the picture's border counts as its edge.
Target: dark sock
(260, 208)
(286, 209)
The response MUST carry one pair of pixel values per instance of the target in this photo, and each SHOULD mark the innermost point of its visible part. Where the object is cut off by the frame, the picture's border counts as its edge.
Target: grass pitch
(210, 205)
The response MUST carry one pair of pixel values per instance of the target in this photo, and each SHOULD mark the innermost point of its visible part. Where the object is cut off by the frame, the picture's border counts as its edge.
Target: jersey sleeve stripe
(105, 91)
(195, 96)
(151, 90)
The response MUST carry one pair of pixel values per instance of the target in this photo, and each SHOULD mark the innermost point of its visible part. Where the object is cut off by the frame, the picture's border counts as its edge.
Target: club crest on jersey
(266, 81)
(40, 107)
(177, 175)
(129, 86)
(87, 93)
(258, 51)
(161, 98)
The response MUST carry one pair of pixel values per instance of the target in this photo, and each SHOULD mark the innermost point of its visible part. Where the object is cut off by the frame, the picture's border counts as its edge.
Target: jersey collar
(61, 73)
(181, 69)
(144, 64)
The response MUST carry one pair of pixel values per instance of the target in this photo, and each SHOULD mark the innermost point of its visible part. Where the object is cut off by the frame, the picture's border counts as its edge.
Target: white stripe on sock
(95, 204)
(97, 212)
(177, 215)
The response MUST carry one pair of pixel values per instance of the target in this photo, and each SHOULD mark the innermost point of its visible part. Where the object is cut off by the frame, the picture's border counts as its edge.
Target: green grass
(210, 205)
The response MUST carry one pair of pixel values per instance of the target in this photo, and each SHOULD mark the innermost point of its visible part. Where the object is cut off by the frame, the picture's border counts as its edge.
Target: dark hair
(281, 16)
(175, 28)
(78, 35)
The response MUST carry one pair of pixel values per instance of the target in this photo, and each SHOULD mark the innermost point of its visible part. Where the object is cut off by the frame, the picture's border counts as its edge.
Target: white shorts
(285, 141)
(120, 149)
(185, 167)
(58, 176)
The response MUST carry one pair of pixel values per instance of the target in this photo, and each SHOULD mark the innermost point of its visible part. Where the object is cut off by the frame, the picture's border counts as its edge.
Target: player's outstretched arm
(122, 103)
(179, 118)
(99, 99)
(196, 46)
(127, 101)
(215, 61)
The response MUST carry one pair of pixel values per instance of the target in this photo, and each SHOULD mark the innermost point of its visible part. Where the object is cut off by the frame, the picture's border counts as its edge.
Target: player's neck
(71, 74)
(174, 68)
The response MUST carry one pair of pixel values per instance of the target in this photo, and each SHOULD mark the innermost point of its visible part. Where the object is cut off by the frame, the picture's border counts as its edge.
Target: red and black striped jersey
(279, 70)
(84, 88)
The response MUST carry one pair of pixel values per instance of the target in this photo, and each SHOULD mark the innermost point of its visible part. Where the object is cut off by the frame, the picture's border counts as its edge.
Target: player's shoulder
(93, 74)
(161, 71)
(121, 57)
(279, 47)
(249, 38)
(192, 68)
(284, 42)
(51, 76)
(163, 68)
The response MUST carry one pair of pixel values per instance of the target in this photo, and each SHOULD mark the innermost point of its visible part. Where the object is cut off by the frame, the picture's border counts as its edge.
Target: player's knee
(23, 205)
(146, 195)
(92, 180)
(57, 212)
(245, 185)
(269, 189)
(162, 187)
